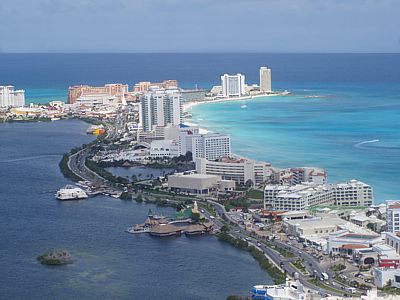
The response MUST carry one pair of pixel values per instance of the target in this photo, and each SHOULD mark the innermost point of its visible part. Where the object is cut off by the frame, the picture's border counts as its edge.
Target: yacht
(71, 192)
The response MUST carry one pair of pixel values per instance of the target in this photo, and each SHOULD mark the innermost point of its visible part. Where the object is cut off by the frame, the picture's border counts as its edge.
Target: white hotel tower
(10, 97)
(233, 85)
(265, 80)
(160, 108)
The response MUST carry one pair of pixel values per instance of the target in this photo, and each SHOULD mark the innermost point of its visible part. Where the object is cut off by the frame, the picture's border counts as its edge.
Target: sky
(200, 26)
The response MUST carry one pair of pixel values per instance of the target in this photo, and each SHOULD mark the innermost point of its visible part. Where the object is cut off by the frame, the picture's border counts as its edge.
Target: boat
(55, 119)
(244, 106)
(70, 192)
(138, 229)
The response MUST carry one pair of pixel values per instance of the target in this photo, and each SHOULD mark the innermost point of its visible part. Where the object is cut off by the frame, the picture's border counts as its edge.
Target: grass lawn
(255, 194)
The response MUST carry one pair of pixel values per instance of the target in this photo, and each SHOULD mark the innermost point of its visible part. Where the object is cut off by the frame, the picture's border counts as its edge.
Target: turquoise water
(352, 131)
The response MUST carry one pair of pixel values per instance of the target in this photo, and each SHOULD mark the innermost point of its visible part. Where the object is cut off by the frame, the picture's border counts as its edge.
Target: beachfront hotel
(210, 146)
(160, 108)
(86, 92)
(145, 86)
(10, 97)
(353, 193)
(233, 85)
(301, 196)
(240, 170)
(265, 80)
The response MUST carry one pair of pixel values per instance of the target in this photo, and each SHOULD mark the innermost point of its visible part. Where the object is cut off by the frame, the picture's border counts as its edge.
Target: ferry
(71, 192)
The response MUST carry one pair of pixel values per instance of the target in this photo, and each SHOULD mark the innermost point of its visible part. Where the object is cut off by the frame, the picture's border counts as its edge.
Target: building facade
(10, 97)
(297, 197)
(239, 170)
(145, 86)
(160, 108)
(294, 176)
(117, 90)
(211, 146)
(265, 80)
(233, 85)
(393, 215)
(353, 193)
(306, 194)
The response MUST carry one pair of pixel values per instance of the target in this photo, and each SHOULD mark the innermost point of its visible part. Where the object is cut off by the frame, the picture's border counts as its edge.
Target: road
(76, 162)
(285, 264)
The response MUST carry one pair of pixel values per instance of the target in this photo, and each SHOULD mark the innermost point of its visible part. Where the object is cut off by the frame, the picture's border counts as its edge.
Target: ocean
(352, 130)
(108, 262)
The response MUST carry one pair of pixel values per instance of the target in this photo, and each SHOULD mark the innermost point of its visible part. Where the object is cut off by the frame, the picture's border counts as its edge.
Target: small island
(55, 258)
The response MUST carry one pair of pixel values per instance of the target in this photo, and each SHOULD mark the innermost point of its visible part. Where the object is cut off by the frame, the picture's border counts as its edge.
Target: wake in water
(359, 145)
(28, 158)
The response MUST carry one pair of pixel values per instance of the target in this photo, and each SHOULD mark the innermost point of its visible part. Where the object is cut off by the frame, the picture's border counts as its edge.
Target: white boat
(71, 192)
(55, 119)
(244, 106)
(138, 229)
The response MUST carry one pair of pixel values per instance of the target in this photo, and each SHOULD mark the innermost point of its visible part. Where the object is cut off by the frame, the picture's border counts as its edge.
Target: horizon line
(190, 52)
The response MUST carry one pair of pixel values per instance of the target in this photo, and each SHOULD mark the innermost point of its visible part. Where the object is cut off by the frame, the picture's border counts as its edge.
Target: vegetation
(139, 198)
(319, 283)
(235, 297)
(276, 273)
(65, 170)
(389, 289)
(300, 266)
(338, 267)
(255, 194)
(281, 251)
(55, 258)
(126, 196)
(104, 173)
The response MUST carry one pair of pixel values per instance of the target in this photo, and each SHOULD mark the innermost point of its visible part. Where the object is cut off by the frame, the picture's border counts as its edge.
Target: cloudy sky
(200, 25)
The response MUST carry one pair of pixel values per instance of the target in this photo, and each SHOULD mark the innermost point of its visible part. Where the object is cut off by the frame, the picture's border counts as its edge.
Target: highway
(285, 264)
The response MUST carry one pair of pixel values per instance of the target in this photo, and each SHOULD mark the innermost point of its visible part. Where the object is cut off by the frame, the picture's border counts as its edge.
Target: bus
(325, 276)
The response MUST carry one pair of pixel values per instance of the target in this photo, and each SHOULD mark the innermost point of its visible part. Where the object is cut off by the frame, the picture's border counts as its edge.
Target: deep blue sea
(360, 103)
(352, 131)
(109, 263)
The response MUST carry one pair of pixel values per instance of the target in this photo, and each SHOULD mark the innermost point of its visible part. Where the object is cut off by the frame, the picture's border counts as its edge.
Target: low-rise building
(197, 184)
(353, 193)
(345, 242)
(384, 276)
(240, 170)
(163, 148)
(293, 176)
(317, 226)
(308, 194)
(297, 197)
(393, 240)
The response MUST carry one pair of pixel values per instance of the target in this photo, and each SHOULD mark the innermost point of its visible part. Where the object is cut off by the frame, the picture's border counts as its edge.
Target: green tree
(249, 183)
(134, 178)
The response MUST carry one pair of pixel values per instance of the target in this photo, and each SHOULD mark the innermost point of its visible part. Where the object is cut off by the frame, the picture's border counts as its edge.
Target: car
(259, 244)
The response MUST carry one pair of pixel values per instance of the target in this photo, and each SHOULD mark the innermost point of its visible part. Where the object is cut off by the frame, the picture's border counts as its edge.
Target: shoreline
(188, 105)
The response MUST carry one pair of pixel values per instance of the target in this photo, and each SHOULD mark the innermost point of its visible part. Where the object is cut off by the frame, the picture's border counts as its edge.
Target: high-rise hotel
(265, 80)
(233, 85)
(160, 108)
(11, 97)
